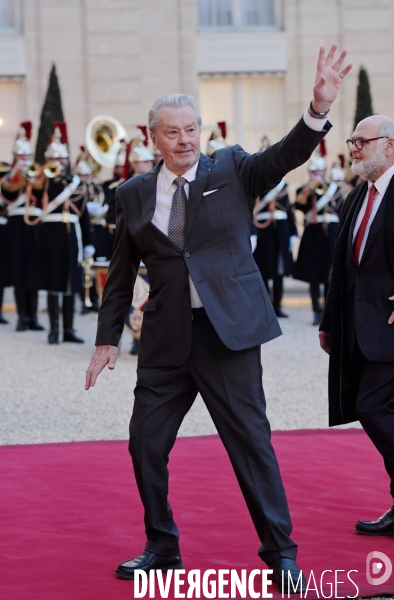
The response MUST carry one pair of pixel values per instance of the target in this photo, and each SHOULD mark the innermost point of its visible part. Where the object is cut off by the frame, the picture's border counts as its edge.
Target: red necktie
(361, 231)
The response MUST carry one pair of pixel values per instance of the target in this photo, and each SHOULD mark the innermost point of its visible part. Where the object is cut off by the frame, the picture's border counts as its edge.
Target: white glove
(89, 251)
(94, 208)
(293, 240)
(253, 242)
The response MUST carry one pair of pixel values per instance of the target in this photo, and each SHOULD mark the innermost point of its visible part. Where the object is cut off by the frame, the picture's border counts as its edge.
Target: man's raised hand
(329, 77)
(103, 355)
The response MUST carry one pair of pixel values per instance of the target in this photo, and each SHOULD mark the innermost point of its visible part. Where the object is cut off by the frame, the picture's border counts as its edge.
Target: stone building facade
(249, 62)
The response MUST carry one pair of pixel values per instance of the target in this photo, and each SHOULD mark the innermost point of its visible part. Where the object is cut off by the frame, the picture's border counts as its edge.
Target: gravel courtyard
(42, 397)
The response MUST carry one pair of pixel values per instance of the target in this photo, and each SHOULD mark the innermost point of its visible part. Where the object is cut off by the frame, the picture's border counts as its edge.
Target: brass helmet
(264, 143)
(22, 143)
(82, 167)
(317, 161)
(217, 139)
(138, 150)
(57, 147)
(338, 169)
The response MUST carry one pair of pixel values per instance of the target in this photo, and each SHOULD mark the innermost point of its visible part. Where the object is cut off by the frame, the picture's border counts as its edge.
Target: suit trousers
(375, 406)
(230, 383)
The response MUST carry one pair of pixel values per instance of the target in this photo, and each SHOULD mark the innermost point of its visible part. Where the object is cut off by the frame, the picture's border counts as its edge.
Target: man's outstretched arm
(262, 171)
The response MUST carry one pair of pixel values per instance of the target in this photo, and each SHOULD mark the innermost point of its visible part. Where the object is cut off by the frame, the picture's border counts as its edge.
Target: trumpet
(316, 185)
(52, 170)
(34, 171)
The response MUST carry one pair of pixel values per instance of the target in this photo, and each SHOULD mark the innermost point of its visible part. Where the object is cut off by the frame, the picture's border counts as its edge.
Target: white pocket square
(210, 192)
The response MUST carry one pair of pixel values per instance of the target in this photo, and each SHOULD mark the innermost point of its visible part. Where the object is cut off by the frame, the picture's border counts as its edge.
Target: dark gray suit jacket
(358, 303)
(217, 253)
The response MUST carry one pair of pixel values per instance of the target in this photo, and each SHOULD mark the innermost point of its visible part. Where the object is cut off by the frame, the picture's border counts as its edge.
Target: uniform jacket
(217, 253)
(357, 303)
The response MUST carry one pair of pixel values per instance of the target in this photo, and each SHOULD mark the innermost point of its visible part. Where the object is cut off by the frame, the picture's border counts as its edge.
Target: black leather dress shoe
(383, 526)
(69, 335)
(279, 313)
(34, 325)
(287, 576)
(148, 561)
(3, 321)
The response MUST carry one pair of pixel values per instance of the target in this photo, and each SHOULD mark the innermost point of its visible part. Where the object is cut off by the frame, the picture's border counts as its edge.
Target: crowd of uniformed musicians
(57, 222)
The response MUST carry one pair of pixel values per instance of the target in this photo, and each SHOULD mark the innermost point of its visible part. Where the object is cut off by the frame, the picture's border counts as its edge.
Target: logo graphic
(375, 562)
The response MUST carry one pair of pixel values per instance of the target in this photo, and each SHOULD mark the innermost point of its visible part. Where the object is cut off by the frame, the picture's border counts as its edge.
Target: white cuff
(89, 251)
(315, 124)
(253, 242)
(293, 240)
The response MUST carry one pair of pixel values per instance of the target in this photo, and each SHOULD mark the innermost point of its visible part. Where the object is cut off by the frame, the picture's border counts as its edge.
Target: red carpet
(70, 512)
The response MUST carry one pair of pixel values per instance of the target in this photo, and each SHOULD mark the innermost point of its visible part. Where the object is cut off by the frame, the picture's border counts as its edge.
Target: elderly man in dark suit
(189, 220)
(357, 324)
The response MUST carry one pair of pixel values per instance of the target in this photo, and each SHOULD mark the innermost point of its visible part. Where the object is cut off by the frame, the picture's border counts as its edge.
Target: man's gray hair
(387, 128)
(174, 100)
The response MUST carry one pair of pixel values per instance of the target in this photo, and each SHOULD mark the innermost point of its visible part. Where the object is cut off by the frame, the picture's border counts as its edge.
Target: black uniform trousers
(230, 383)
(375, 406)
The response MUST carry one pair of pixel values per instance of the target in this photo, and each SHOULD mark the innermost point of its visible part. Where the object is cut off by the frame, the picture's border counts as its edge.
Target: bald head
(376, 155)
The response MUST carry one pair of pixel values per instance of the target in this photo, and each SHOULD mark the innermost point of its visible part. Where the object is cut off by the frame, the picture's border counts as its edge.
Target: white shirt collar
(382, 183)
(168, 176)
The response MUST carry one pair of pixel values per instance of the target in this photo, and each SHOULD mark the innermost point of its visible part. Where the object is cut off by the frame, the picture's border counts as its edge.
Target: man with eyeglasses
(357, 326)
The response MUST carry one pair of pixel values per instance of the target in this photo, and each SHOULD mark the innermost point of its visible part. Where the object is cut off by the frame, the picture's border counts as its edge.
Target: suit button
(358, 275)
(187, 255)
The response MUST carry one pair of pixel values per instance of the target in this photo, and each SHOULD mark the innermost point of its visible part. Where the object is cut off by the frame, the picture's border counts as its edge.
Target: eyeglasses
(359, 143)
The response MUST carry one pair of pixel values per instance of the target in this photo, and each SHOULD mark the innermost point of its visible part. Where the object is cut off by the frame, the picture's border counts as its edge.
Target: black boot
(277, 291)
(68, 321)
(314, 290)
(3, 321)
(21, 307)
(32, 301)
(53, 312)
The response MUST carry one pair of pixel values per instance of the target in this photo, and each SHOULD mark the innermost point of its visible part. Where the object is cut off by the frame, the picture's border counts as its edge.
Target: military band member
(217, 138)
(276, 236)
(338, 175)
(140, 160)
(4, 169)
(64, 237)
(22, 198)
(321, 204)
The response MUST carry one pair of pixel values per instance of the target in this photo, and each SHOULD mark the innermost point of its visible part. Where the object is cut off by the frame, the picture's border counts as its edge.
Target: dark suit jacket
(357, 304)
(217, 253)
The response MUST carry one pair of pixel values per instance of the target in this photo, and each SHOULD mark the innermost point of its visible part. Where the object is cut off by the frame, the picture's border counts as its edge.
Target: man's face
(369, 162)
(177, 137)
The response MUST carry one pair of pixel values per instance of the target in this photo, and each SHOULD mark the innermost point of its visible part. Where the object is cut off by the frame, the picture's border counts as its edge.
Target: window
(258, 12)
(251, 106)
(236, 13)
(6, 14)
(11, 114)
(214, 13)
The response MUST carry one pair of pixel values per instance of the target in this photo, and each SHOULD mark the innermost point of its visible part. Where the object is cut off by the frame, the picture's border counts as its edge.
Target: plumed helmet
(217, 139)
(317, 161)
(138, 150)
(22, 143)
(82, 166)
(57, 147)
(338, 169)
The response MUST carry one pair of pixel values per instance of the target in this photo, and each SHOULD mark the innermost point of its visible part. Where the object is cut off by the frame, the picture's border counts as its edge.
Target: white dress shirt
(165, 191)
(381, 185)
(164, 194)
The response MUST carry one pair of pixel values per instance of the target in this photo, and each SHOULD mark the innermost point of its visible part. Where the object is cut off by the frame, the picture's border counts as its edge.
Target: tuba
(103, 138)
